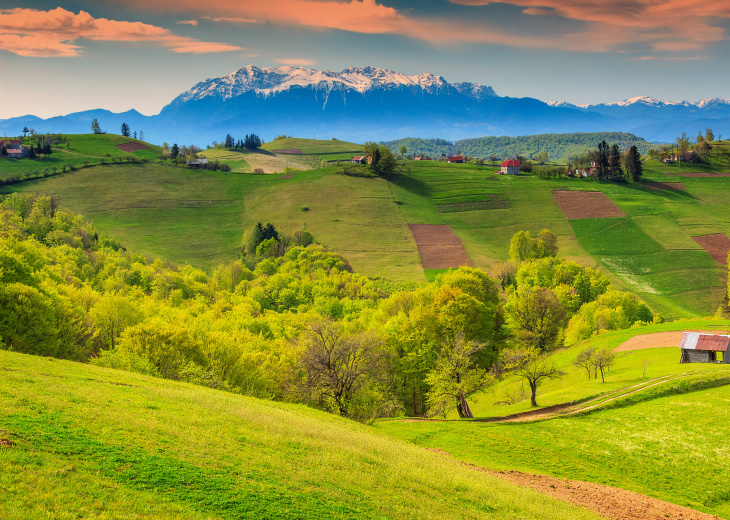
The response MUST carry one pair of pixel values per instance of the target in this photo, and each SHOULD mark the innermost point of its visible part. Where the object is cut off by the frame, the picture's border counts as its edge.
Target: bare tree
(585, 360)
(336, 364)
(532, 365)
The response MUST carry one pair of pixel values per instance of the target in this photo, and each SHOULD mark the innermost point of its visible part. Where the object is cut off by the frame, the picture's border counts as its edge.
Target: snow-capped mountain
(271, 81)
(369, 103)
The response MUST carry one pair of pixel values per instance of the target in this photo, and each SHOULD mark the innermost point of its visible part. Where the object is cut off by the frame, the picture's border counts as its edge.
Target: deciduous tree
(530, 364)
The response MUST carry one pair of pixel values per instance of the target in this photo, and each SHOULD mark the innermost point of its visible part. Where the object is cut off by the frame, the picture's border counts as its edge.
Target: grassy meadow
(164, 211)
(82, 441)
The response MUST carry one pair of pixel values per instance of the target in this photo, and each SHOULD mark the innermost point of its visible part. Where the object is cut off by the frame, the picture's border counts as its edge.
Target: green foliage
(524, 247)
(559, 147)
(613, 310)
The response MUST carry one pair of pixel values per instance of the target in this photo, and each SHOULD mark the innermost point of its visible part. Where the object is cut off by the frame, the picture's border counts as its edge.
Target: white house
(510, 167)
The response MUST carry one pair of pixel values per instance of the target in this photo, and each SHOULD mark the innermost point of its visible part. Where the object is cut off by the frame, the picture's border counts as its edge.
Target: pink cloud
(665, 25)
(299, 62)
(187, 22)
(30, 32)
(231, 19)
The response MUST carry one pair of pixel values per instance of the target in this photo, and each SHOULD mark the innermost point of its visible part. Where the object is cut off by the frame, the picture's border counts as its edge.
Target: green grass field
(655, 447)
(651, 252)
(84, 442)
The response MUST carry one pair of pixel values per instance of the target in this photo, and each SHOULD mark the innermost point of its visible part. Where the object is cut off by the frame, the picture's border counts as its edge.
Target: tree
(456, 376)
(135, 134)
(602, 161)
(542, 157)
(616, 173)
(536, 316)
(141, 135)
(165, 149)
(95, 126)
(632, 163)
(530, 364)
(25, 131)
(709, 135)
(125, 130)
(683, 144)
(229, 143)
(174, 151)
(603, 359)
(585, 360)
(402, 150)
(521, 246)
(337, 365)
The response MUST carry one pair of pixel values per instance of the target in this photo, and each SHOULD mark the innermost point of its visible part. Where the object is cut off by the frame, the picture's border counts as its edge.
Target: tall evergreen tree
(602, 161)
(174, 151)
(614, 162)
(636, 169)
(228, 142)
(125, 130)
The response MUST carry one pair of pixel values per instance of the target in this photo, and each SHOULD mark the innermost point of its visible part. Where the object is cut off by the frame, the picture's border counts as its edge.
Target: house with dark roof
(456, 159)
(198, 163)
(510, 167)
(704, 348)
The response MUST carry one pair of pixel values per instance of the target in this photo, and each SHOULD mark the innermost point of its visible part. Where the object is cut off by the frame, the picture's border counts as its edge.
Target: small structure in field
(457, 159)
(358, 159)
(198, 163)
(510, 167)
(703, 348)
(15, 150)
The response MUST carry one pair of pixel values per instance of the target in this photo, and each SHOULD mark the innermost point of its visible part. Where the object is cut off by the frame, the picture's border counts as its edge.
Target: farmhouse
(703, 348)
(358, 159)
(510, 167)
(198, 163)
(456, 159)
(421, 158)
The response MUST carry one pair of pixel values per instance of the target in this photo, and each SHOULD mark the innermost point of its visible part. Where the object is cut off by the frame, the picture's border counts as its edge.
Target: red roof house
(456, 159)
(703, 348)
(510, 167)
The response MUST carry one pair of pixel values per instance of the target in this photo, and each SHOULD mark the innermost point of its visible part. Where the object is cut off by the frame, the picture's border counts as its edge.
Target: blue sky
(62, 57)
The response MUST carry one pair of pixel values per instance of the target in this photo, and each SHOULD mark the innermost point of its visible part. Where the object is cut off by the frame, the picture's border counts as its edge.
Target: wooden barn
(704, 348)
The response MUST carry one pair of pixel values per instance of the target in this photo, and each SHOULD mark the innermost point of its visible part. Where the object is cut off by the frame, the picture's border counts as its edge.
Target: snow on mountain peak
(266, 81)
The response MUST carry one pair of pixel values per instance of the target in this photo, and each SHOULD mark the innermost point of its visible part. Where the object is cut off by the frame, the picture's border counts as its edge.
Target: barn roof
(707, 342)
(358, 158)
(511, 162)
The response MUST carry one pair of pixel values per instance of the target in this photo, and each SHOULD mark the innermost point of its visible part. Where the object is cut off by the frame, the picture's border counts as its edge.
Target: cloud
(300, 62)
(30, 32)
(600, 25)
(187, 22)
(664, 25)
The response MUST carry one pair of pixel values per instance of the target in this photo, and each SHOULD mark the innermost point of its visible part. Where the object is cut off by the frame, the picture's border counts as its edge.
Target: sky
(66, 56)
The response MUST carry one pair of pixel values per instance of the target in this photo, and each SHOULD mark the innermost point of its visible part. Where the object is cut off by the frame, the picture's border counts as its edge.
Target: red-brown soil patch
(607, 501)
(701, 174)
(586, 204)
(7, 442)
(659, 340)
(290, 151)
(285, 177)
(718, 245)
(438, 246)
(132, 147)
(673, 186)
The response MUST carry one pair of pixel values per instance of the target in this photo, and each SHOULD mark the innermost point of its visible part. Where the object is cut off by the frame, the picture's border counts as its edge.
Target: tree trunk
(533, 397)
(463, 408)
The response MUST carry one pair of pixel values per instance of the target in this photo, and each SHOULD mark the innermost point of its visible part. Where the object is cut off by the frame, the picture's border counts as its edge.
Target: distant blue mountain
(360, 104)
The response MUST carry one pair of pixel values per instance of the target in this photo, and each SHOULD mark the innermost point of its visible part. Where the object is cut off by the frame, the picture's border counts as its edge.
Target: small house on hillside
(510, 167)
(421, 158)
(358, 159)
(198, 163)
(18, 153)
(703, 348)
(458, 159)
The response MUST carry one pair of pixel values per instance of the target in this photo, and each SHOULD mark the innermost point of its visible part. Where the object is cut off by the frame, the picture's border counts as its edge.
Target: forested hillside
(558, 146)
(291, 322)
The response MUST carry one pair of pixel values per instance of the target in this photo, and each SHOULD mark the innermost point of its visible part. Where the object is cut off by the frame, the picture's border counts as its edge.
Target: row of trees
(126, 132)
(250, 142)
(610, 164)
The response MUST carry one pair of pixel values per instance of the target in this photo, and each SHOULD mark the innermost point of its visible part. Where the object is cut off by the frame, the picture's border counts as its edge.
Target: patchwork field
(646, 240)
(438, 246)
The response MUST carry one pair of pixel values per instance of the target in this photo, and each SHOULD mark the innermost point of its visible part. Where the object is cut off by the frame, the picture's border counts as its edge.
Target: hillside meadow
(143, 447)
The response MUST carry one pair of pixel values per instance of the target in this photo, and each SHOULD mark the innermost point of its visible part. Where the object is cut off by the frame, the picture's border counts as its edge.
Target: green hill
(558, 146)
(200, 216)
(81, 441)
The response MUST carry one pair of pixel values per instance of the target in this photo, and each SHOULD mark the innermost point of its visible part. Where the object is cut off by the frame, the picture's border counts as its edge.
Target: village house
(456, 159)
(510, 167)
(421, 158)
(703, 348)
(198, 163)
(358, 159)
(15, 150)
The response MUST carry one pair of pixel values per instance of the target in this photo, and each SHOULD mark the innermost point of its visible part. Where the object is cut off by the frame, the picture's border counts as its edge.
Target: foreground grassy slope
(655, 447)
(80, 441)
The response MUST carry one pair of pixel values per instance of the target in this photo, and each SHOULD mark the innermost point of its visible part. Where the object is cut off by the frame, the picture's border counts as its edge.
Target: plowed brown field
(586, 204)
(438, 246)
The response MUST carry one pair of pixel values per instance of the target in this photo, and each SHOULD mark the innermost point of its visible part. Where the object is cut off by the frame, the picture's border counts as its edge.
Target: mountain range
(370, 103)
